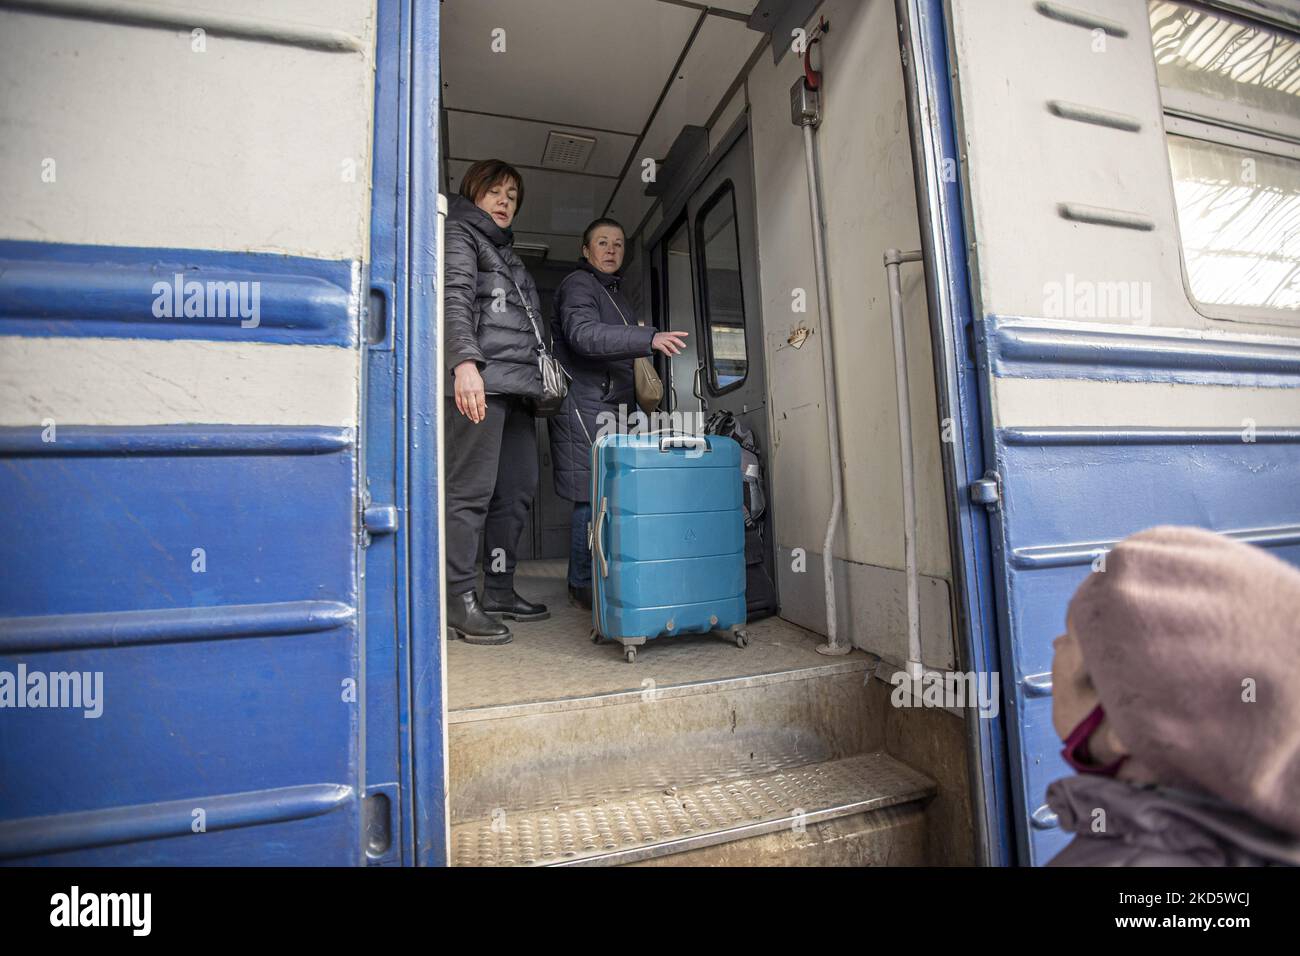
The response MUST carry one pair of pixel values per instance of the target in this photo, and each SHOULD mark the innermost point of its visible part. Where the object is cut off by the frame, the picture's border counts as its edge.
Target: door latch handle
(378, 310)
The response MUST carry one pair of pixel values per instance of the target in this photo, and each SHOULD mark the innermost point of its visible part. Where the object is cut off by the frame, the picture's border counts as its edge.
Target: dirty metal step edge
(732, 834)
(639, 695)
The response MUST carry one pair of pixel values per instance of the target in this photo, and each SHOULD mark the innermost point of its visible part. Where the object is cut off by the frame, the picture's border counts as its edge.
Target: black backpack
(724, 423)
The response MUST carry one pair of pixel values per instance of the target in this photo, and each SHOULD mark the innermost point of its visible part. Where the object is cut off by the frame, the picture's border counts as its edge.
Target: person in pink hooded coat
(1177, 692)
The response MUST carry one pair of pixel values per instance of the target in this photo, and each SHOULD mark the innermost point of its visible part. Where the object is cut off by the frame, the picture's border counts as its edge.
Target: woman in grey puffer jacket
(491, 344)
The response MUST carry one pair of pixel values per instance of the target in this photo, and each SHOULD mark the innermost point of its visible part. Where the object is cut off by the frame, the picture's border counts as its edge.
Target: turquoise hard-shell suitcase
(668, 538)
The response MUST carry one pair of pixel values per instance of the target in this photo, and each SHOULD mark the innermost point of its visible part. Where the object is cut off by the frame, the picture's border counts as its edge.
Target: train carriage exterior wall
(180, 480)
(219, 395)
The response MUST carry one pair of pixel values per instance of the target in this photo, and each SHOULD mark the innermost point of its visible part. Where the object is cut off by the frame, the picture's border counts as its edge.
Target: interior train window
(1231, 95)
(718, 239)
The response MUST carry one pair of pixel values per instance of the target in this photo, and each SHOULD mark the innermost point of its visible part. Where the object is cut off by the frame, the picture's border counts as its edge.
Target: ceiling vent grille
(567, 151)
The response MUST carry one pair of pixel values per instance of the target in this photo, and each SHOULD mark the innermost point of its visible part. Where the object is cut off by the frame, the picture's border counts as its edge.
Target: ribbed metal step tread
(626, 829)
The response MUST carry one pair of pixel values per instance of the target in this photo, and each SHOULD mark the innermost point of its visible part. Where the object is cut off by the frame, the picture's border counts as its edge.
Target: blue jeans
(579, 555)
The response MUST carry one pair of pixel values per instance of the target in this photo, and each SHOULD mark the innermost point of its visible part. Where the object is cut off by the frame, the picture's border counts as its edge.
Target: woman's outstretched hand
(670, 343)
(470, 397)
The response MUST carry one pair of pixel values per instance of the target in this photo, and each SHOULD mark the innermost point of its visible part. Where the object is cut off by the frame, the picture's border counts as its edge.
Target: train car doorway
(675, 120)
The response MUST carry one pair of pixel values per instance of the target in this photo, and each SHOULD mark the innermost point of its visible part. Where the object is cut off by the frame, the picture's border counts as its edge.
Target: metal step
(622, 829)
(569, 752)
(890, 836)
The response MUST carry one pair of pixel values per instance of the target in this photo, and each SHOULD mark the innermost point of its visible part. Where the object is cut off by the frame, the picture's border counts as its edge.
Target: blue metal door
(927, 64)
(385, 593)
(182, 679)
(405, 805)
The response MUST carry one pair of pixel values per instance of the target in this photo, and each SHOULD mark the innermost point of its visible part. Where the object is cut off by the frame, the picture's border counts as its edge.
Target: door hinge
(376, 519)
(987, 491)
(380, 519)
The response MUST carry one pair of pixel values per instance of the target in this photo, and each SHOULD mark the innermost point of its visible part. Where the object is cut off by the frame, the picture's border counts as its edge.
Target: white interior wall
(869, 206)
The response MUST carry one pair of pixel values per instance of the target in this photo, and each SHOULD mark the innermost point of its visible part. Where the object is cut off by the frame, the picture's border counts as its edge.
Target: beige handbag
(649, 387)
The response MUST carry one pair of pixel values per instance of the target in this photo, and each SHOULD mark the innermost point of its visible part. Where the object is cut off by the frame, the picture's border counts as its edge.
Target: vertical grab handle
(599, 538)
(697, 387)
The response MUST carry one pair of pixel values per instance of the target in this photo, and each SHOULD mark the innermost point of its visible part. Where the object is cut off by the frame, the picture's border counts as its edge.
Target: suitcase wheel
(741, 637)
(629, 654)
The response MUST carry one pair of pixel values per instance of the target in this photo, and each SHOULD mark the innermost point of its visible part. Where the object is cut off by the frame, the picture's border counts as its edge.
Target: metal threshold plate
(628, 829)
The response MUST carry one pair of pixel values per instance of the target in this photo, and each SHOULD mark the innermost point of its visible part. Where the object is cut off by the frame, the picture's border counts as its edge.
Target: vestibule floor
(554, 662)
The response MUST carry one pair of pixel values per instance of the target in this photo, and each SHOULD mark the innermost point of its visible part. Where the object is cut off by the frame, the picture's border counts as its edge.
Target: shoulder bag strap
(615, 305)
(523, 299)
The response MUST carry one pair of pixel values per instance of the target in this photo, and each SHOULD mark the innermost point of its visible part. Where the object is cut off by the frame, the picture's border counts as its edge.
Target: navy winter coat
(598, 350)
(480, 268)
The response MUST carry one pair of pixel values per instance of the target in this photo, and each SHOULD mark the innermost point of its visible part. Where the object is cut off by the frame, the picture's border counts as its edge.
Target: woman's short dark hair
(596, 224)
(485, 174)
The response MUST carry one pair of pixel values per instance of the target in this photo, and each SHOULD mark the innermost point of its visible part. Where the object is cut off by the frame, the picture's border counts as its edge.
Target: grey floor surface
(556, 660)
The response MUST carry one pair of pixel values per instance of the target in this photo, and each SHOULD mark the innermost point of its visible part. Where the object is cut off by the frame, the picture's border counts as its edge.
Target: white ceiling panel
(581, 66)
(476, 136)
(715, 59)
(554, 203)
(592, 63)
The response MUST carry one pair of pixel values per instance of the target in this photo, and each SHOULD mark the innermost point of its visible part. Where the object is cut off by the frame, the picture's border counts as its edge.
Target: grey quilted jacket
(1118, 824)
(484, 319)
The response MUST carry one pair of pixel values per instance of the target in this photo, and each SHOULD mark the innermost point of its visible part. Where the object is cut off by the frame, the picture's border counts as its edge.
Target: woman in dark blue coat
(597, 340)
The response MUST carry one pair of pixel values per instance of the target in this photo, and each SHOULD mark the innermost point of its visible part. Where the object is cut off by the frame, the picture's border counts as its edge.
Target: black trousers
(491, 474)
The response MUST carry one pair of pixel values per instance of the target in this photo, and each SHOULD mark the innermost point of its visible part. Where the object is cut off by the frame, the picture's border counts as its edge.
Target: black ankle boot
(512, 607)
(580, 596)
(467, 620)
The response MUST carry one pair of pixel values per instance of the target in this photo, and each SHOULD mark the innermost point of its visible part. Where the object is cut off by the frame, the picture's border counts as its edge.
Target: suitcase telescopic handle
(683, 441)
(599, 538)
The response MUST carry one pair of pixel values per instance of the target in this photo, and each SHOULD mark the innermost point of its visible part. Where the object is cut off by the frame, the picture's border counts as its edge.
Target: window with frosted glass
(1225, 66)
(1231, 94)
(1239, 215)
